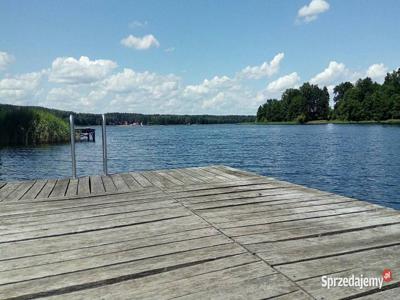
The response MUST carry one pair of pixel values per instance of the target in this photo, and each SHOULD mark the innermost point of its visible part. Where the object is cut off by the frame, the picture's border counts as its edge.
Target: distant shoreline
(323, 122)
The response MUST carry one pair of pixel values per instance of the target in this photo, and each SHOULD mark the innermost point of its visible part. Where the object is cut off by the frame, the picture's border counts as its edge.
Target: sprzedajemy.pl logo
(357, 281)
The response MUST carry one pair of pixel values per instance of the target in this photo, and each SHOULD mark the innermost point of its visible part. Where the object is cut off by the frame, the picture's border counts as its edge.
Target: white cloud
(5, 60)
(137, 24)
(214, 101)
(127, 90)
(284, 82)
(338, 72)
(128, 81)
(266, 69)
(72, 71)
(20, 88)
(377, 72)
(333, 73)
(140, 43)
(169, 49)
(209, 85)
(311, 11)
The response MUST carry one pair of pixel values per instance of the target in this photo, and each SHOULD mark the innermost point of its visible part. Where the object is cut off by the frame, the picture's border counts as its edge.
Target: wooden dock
(196, 233)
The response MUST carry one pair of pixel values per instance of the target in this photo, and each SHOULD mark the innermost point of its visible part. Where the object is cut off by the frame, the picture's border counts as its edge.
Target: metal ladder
(104, 141)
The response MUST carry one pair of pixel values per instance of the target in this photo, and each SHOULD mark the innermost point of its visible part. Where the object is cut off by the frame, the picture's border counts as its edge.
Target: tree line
(87, 119)
(365, 100)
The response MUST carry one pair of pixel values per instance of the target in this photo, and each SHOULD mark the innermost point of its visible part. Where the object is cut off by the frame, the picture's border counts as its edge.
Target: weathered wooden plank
(47, 189)
(279, 217)
(262, 287)
(154, 180)
(330, 245)
(8, 189)
(296, 295)
(241, 192)
(306, 232)
(272, 212)
(331, 265)
(183, 177)
(96, 185)
(223, 173)
(58, 206)
(386, 294)
(218, 176)
(243, 201)
(205, 176)
(208, 282)
(72, 187)
(119, 182)
(90, 217)
(84, 214)
(103, 256)
(146, 234)
(19, 191)
(102, 248)
(194, 175)
(133, 288)
(68, 228)
(60, 188)
(172, 179)
(83, 186)
(168, 181)
(131, 182)
(236, 172)
(204, 286)
(314, 287)
(134, 215)
(108, 183)
(129, 267)
(141, 179)
(34, 190)
(215, 184)
(277, 204)
(305, 223)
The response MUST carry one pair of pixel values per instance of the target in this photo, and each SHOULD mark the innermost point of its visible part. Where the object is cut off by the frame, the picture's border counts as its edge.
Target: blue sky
(218, 57)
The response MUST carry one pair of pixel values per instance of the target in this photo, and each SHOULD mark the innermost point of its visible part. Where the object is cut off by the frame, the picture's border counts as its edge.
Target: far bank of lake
(321, 122)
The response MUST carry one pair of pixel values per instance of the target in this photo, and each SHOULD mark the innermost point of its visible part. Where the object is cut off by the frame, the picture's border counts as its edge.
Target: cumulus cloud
(209, 85)
(377, 72)
(97, 86)
(79, 71)
(129, 81)
(283, 83)
(333, 73)
(311, 11)
(214, 101)
(266, 69)
(5, 60)
(140, 43)
(20, 88)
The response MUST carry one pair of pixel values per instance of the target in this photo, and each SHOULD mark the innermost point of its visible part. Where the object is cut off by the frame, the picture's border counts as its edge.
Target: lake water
(361, 161)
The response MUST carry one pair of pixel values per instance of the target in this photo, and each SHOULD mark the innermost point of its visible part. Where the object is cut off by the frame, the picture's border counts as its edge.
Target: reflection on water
(362, 161)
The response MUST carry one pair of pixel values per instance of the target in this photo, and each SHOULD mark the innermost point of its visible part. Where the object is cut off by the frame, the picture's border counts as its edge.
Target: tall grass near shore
(27, 126)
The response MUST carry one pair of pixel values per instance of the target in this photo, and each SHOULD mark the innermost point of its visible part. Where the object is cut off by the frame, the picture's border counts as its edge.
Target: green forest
(87, 119)
(364, 100)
